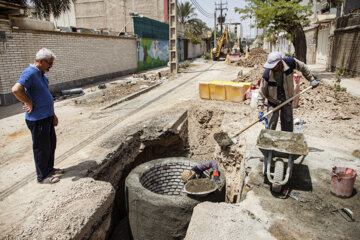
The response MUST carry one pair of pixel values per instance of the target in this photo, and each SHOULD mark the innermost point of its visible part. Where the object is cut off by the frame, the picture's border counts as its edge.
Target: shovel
(224, 139)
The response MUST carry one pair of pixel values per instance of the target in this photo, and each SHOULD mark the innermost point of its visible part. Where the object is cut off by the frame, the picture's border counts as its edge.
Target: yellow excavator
(216, 51)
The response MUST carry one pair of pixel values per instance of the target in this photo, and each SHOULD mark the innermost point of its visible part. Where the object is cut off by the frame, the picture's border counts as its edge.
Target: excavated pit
(164, 178)
(157, 207)
(186, 133)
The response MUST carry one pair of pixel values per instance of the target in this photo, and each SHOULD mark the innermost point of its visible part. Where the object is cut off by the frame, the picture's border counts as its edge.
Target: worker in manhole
(198, 172)
(277, 86)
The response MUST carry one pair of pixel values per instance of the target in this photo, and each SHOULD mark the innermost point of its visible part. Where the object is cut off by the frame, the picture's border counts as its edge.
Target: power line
(197, 5)
(201, 10)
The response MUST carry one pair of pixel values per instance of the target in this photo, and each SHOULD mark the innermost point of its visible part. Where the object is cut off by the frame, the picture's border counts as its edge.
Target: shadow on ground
(11, 110)
(81, 170)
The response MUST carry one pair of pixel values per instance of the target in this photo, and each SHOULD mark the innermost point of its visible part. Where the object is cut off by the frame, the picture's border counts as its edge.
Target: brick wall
(345, 45)
(165, 178)
(81, 59)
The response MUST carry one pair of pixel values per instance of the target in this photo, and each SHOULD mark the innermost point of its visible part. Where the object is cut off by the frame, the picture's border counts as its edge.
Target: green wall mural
(152, 53)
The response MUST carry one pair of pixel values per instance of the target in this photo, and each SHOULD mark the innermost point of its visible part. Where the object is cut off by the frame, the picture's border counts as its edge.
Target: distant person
(198, 171)
(277, 85)
(32, 89)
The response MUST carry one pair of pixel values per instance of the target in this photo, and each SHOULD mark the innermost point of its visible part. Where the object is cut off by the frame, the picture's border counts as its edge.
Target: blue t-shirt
(37, 89)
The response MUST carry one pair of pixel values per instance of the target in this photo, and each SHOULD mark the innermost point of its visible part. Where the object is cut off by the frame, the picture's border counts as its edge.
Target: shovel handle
(287, 101)
(245, 128)
(270, 112)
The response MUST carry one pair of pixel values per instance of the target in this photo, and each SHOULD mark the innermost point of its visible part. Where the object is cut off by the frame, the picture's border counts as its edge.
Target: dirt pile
(330, 112)
(253, 76)
(257, 57)
(256, 60)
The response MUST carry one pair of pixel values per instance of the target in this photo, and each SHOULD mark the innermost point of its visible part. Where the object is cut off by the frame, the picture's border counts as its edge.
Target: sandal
(57, 171)
(49, 180)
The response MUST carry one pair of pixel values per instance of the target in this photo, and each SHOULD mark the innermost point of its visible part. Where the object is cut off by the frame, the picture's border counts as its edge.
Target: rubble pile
(257, 57)
(253, 76)
(341, 105)
(256, 60)
(163, 75)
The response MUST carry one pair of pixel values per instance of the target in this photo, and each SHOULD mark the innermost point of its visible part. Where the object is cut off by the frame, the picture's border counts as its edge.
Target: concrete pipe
(157, 207)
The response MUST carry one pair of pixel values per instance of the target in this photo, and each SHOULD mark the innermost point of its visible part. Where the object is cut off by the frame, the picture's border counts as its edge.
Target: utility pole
(215, 29)
(173, 50)
(221, 8)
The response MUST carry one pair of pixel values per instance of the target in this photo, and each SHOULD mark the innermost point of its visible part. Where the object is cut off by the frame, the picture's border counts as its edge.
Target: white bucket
(254, 99)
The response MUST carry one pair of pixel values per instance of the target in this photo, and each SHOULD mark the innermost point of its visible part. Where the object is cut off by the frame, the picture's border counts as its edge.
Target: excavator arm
(216, 54)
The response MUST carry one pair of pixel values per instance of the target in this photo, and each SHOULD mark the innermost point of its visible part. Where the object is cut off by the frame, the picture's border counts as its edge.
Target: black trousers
(44, 144)
(286, 117)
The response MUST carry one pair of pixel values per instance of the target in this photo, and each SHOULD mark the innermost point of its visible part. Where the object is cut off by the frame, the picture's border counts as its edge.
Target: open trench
(191, 136)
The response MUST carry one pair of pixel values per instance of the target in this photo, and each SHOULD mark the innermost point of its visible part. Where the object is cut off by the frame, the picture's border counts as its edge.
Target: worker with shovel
(277, 86)
(198, 171)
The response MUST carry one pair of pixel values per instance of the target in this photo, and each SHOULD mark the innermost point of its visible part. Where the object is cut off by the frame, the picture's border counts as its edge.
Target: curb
(129, 97)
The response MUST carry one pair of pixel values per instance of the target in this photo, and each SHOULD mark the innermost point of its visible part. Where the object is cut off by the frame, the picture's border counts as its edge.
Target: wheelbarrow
(280, 145)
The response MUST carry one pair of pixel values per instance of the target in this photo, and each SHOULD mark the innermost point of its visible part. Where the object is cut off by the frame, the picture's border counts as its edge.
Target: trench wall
(81, 58)
(345, 50)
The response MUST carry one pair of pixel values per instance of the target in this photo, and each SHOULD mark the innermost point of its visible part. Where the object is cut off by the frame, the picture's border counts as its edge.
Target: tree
(185, 12)
(45, 8)
(281, 15)
(194, 27)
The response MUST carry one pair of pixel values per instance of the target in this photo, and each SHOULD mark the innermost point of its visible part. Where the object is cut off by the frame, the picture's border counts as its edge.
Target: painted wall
(152, 53)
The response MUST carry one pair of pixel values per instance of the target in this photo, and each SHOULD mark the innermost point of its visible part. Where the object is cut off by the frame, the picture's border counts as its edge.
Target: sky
(231, 16)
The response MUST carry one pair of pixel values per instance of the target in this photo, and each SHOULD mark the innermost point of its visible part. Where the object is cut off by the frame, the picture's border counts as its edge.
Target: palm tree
(198, 26)
(185, 12)
(45, 7)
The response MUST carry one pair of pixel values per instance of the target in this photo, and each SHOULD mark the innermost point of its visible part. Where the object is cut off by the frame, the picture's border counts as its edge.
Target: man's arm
(261, 96)
(303, 68)
(19, 91)
(306, 73)
(56, 120)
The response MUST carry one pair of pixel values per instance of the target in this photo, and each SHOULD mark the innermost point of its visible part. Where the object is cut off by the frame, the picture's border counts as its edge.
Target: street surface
(87, 134)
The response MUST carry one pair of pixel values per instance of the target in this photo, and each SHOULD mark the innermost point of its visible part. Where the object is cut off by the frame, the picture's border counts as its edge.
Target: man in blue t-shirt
(32, 89)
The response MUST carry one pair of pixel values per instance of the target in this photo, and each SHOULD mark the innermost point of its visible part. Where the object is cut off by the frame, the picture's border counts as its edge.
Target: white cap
(272, 60)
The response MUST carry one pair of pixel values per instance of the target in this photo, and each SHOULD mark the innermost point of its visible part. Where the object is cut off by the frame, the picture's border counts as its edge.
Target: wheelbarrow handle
(270, 112)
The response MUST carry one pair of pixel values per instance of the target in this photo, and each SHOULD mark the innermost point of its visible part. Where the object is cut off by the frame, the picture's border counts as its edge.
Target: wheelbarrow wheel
(278, 175)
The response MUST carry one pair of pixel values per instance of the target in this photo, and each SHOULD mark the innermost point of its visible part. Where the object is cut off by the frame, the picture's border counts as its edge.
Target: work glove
(216, 177)
(261, 116)
(314, 83)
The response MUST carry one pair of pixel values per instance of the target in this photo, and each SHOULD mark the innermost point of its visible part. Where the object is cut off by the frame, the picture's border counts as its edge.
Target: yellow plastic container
(246, 85)
(204, 91)
(235, 93)
(217, 91)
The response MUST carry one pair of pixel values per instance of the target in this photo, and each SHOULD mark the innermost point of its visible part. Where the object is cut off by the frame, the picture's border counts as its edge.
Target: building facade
(112, 16)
